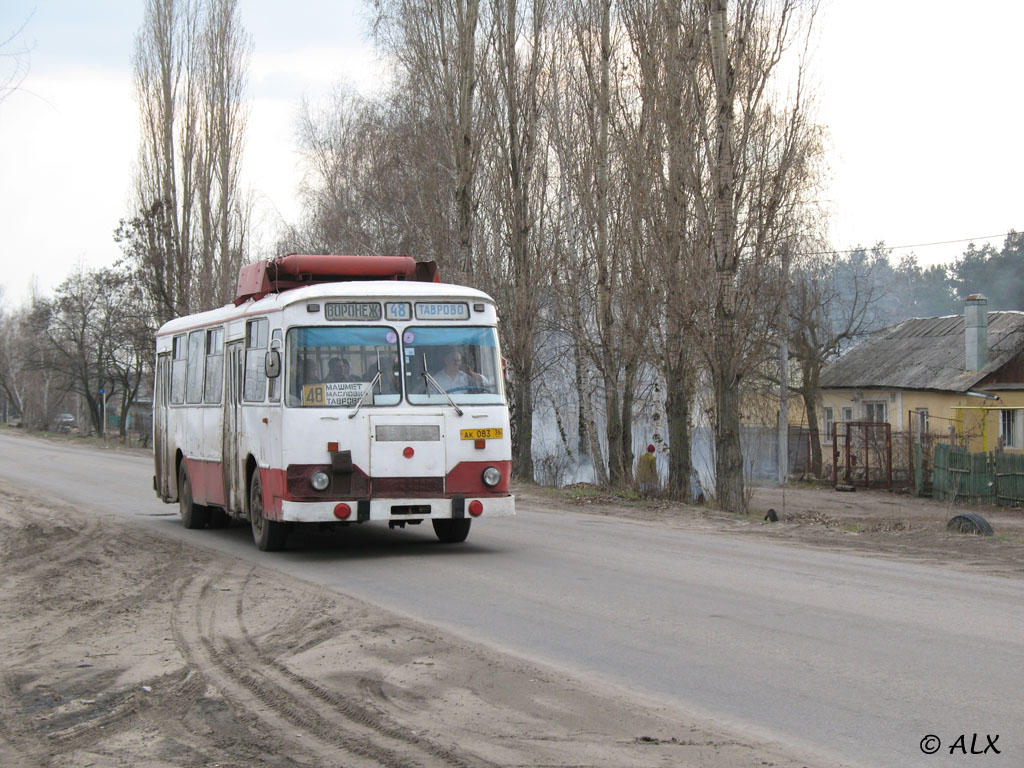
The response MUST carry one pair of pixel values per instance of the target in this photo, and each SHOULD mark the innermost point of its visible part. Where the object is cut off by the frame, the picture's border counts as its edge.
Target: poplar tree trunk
(679, 395)
(728, 453)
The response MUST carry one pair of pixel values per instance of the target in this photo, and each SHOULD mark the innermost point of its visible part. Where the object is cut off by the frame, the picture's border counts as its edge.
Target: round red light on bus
(476, 507)
(342, 511)
(408, 452)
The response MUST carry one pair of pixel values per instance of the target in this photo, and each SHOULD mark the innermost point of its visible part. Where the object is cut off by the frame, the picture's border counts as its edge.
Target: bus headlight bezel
(320, 480)
(491, 476)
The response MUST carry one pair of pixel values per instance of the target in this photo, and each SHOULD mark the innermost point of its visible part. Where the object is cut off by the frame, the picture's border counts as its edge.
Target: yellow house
(960, 377)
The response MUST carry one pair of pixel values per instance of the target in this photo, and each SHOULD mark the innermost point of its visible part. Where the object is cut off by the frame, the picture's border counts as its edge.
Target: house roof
(925, 353)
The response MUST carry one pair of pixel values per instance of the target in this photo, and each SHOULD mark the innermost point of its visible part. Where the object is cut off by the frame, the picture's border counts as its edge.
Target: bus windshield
(332, 367)
(462, 364)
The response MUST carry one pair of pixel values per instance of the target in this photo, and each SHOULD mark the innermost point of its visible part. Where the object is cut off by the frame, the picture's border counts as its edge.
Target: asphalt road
(842, 658)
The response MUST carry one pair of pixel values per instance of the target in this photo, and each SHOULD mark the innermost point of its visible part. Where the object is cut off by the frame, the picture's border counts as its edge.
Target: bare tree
(189, 63)
(760, 164)
(588, 160)
(834, 300)
(225, 50)
(12, 358)
(518, 262)
(665, 183)
(372, 177)
(165, 258)
(436, 45)
(74, 335)
(14, 61)
(728, 452)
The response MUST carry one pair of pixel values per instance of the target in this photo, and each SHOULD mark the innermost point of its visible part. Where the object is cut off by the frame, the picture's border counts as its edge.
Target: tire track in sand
(209, 630)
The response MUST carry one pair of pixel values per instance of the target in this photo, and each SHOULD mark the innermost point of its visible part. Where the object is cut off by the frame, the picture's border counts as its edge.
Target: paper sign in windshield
(342, 395)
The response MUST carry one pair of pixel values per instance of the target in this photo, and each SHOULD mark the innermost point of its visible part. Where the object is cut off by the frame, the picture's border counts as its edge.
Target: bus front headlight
(491, 476)
(320, 480)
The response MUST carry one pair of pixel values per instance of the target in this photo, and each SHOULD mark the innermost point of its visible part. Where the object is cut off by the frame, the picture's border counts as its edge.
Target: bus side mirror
(272, 363)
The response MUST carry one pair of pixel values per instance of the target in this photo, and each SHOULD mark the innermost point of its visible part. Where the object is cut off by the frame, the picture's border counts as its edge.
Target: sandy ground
(119, 648)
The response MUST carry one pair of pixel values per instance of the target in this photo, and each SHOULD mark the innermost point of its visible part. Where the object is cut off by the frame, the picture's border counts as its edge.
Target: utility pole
(783, 458)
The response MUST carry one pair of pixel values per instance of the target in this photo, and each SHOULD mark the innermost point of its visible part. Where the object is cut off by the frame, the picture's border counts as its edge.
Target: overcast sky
(922, 101)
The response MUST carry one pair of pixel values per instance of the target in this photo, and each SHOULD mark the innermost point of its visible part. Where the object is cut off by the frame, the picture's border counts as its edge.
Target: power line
(913, 245)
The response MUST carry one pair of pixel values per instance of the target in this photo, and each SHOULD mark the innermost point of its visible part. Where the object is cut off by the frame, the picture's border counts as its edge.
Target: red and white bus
(336, 389)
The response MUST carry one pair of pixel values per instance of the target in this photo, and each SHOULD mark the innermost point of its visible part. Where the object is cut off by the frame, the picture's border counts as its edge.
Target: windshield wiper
(362, 397)
(439, 388)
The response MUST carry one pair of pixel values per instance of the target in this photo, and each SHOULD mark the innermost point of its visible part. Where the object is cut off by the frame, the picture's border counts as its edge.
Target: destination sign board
(352, 310)
(442, 310)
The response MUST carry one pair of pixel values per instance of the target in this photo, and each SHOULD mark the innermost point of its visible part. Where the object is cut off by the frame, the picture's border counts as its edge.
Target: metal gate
(864, 451)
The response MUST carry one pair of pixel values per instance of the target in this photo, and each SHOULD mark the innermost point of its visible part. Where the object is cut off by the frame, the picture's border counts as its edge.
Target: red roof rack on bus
(297, 270)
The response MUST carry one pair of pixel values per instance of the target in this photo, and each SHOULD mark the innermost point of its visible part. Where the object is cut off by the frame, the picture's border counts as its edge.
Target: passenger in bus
(339, 371)
(310, 372)
(456, 374)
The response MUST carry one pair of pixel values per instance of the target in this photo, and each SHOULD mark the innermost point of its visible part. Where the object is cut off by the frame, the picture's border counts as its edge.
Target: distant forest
(911, 291)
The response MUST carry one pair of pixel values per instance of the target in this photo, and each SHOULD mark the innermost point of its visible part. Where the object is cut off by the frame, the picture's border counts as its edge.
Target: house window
(828, 418)
(847, 417)
(1010, 429)
(875, 411)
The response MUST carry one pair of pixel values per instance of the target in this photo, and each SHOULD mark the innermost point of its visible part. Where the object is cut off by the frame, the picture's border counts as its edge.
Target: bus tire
(192, 515)
(452, 531)
(269, 535)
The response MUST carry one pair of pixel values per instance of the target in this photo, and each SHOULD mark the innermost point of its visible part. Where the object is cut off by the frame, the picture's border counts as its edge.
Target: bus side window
(255, 387)
(196, 367)
(178, 366)
(214, 365)
(275, 384)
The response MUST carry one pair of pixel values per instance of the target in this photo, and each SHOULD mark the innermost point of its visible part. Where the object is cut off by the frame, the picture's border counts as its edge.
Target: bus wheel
(452, 531)
(269, 535)
(192, 515)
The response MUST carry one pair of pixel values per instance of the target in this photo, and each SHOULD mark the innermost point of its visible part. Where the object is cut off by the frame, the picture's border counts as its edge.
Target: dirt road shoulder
(874, 523)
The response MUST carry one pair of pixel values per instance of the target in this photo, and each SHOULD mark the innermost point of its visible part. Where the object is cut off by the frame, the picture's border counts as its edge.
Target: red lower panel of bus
(464, 480)
(207, 481)
(275, 488)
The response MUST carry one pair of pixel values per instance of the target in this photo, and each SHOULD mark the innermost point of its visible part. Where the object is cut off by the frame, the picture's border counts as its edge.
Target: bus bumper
(396, 509)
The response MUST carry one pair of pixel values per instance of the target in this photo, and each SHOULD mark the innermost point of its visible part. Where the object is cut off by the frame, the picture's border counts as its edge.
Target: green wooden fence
(1010, 479)
(978, 478)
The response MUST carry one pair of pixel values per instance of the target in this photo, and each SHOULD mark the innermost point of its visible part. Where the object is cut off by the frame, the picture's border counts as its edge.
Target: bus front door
(234, 477)
(161, 444)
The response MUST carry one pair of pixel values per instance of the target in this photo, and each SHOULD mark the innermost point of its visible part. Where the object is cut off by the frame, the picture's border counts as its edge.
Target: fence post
(918, 471)
(888, 456)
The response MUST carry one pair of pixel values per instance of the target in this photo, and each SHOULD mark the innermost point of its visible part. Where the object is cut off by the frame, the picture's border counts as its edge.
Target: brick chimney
(976, 331)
